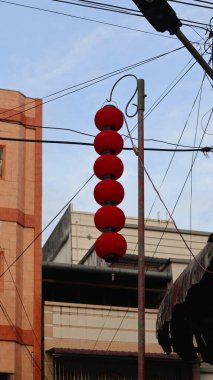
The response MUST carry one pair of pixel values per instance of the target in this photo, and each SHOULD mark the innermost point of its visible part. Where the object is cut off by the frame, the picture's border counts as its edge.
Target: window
(1, 161)
(4, 376)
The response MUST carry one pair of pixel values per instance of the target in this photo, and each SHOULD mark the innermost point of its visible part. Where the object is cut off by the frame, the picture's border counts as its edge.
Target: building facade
(90, 312)
(20, 223)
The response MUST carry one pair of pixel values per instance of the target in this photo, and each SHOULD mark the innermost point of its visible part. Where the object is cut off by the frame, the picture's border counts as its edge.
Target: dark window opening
(154, 293)
(157, 277)
(4, 376)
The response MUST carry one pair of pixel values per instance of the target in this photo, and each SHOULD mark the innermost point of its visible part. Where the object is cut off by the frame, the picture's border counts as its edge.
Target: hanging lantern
(109, 116)
(107, 191)
(110, 246)
(109, 219)
(108, 141)
(108, 165)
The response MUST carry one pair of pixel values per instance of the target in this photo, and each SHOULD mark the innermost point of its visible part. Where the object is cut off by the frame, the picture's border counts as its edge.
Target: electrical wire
(44, 229)
(165, 93)
(196, 24)
(102, 327)
(183, 188)
(172, 158)
(89, 19)
(64, 142)
(204, 1)
(22, 304)
(194, 29)
(169, 88)
(88, 83)
(151, 109)
(70, 201)
(90, 135)
(194, 5)
(28, 352)
(103, 7)
(117, 329)
(81, 143)
(171, 213)
(176, 227)
(45, 127)
(210, 110)
(84, 19)
(191, 176)
(20, 299)
(179, 140)
(116, 9)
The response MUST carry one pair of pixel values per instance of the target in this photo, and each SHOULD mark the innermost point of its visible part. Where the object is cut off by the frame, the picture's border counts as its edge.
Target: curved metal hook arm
(110, 97)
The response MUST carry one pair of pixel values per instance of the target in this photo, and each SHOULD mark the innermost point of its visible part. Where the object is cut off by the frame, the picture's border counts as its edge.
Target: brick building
(20, 222)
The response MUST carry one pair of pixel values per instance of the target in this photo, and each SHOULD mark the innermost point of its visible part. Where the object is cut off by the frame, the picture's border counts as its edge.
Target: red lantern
(109, 116)
(109, 217)
(108, 165)
(110, 245)
(109, 190)
(108, 141)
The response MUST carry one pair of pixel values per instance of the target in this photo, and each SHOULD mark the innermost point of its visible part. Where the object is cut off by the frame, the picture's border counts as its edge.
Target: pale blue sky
(42, 53)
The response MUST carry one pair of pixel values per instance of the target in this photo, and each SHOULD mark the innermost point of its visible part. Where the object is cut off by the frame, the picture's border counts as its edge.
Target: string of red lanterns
(109, 219)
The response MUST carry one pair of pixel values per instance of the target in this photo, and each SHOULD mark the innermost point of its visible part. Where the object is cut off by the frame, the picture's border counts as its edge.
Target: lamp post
(141, 245)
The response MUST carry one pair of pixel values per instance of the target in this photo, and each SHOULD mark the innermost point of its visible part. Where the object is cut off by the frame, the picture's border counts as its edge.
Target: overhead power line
(179, 140)
(65, 206)
(93, 136)
(184, 184)
(191, 4)
(204, 1)
(89, 19)
(64, 142)
(87, 84)
(101, 6)
(166, 92)
(173, 156)
(17, 333)
(52, 219)
(116, 9)
(45, 228)
(92, 81)
(195, 22)
(83, 18)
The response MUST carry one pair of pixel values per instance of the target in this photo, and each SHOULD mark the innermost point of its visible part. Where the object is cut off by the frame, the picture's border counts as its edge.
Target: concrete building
(20, 223)
(90, 311)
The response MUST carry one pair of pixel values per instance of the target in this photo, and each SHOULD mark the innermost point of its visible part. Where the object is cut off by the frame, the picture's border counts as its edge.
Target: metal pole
(141, 277)
(195, 53)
